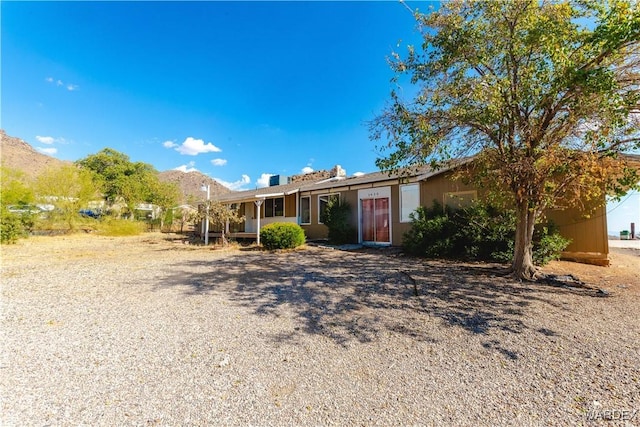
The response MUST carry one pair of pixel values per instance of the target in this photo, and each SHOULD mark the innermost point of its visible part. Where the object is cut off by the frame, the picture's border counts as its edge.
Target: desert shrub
(431, 232)
(483, 232)
(548, 243)
(282, 235)
(336, 218)
(120, 227)
(12, 227)
(479, 232)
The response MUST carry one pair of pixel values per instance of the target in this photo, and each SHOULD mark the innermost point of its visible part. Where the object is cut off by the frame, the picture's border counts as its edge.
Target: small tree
(544, 93)
(165, 195)
(15, 191)
(336, 218)
(220, 215)
(68, 188)
(185, 215)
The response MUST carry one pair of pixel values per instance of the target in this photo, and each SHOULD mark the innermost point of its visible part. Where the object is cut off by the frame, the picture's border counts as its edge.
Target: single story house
(381, 205)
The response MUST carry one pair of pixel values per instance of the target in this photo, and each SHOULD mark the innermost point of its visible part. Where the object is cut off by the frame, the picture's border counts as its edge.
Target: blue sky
(236, 90)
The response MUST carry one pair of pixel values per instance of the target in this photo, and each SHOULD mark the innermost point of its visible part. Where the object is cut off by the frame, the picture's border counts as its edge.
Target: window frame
(272, 211)
(302, 222)
(407, 219)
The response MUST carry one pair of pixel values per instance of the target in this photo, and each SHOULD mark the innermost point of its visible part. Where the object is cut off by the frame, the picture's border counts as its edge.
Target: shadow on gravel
(351, 296)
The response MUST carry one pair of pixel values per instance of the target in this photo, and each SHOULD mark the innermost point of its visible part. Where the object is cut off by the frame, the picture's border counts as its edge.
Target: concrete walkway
(632, 244)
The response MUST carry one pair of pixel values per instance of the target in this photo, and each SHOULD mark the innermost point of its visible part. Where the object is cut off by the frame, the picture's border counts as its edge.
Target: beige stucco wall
(588, 234)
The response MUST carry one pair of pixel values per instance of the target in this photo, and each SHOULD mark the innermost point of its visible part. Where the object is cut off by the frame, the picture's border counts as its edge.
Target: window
(409, 201)
(323, 201)
(278, 206)
(460, 199)
(305, 210)
(274, 207)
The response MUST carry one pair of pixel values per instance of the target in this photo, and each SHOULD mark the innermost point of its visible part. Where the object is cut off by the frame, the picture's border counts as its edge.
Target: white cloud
(307, 169)
(358, 174)
(219, 162)
(169, 144)
(189, 167)
(69, 86)
(193, 147)
(45, 139)
(237, 185)
(50, 150)
(49, 140)
(263, 181)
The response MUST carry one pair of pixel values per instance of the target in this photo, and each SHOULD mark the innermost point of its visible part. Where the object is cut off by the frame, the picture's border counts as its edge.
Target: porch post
(258, 204)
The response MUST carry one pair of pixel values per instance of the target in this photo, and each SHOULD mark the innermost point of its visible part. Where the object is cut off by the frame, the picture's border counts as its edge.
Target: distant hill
(190, 183)
(17, 154)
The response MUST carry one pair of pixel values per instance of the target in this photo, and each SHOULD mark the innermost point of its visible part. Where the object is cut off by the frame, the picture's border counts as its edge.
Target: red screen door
(375, 220)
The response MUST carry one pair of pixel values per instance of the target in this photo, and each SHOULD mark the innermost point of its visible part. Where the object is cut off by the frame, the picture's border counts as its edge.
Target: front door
(375, 216)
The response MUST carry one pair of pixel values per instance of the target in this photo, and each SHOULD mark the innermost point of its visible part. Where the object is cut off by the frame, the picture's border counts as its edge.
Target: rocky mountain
(17, 154)
(190, 184)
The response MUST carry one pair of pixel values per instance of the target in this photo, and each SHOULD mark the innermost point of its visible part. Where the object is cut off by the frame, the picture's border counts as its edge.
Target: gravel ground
(150, 331)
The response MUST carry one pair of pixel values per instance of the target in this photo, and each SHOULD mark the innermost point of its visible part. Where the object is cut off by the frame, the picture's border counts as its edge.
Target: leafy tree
(219, 216)
(16, 190)
(134, 182)
(544, 93)
(185, 215)
(165, 195)
(68, 188)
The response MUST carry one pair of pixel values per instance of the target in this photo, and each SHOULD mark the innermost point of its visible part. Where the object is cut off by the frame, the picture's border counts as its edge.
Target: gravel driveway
(149, 331)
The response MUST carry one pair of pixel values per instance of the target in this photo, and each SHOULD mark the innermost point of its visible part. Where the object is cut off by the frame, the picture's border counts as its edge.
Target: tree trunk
(522, 267)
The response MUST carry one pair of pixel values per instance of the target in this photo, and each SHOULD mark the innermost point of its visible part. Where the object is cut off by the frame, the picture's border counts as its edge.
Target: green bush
(12, 227)
(282, 235)
(485, 233)
(479, 232)
(431, 232)
(336, 218)
(548, 244)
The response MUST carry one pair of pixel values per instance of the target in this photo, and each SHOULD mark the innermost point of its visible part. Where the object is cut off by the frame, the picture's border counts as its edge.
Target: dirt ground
(624, 268)
(158, 330)
(622, 273)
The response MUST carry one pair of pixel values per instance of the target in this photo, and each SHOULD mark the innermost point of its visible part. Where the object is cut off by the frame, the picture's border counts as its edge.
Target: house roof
(335, 184)
(414, 174)
(260, 193)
